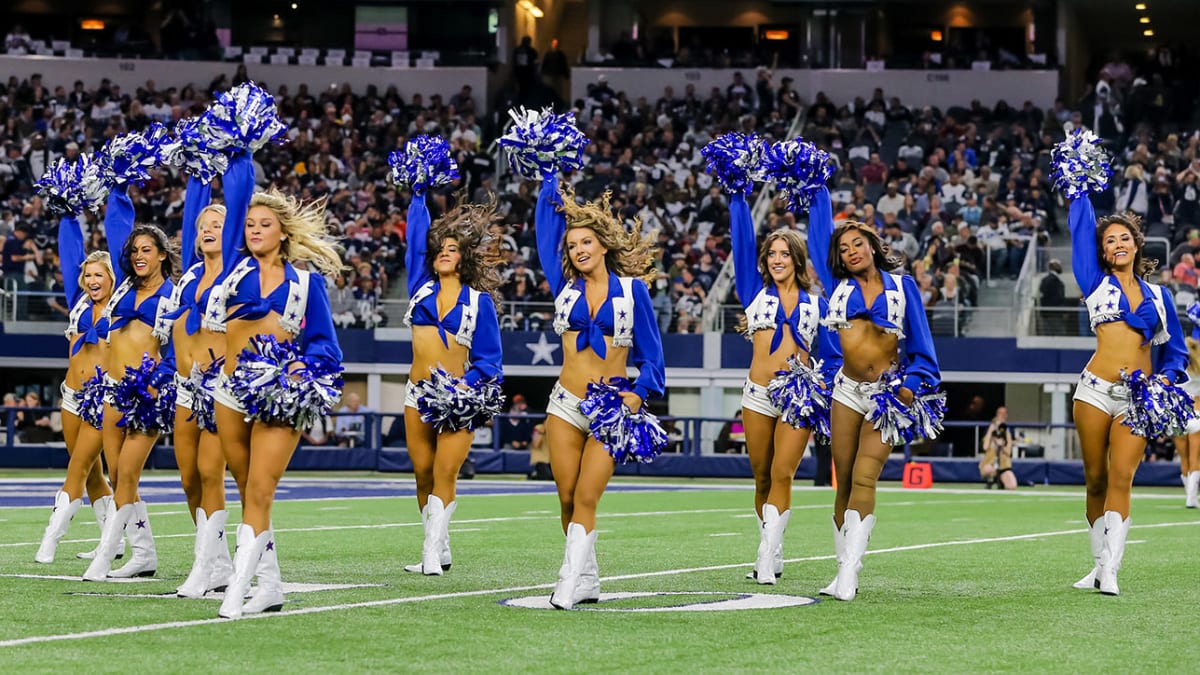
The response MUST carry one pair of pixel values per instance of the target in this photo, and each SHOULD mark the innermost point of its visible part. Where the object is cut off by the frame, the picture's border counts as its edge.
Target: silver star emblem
(543, 350)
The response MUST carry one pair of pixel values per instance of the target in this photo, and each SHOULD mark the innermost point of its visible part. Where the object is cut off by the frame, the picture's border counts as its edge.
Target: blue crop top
(632, 324)
(911, 325)
(1155, 317)
(761, 301)
(301, 301)
(478, 329)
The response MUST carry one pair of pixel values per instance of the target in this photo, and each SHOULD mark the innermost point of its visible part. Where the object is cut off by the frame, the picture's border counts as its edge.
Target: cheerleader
(1113, 410)
(785, 398)
(140, 406)
(879, 400)
(452, 273)
(83, 388)
(603, 312)
(199, 352)
(282, 366)
(1187, 446)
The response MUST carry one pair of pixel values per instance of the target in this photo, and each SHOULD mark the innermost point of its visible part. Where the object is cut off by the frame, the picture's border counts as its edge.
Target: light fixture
(936, 36)
(534, 11)
(1141, 7)
(295, 6)
(776, 35)
(1143, 19)
(91, 24)
(1148, 33)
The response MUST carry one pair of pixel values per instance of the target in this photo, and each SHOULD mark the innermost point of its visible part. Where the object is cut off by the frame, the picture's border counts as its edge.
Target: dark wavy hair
(1130, 221)
(170, 265)
(470, 225)
(881, 255)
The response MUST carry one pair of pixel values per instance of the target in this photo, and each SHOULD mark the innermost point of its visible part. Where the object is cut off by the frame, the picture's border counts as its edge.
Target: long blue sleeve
(486, 352)
(922, 366)
(71, 253)
(417, 234)
(197, 197)
(118, 224)
(746, 276)
(165, 370)
(319, 336)
(550, 226)
(828, 347)
(1085, 261)
(820, 232)
(238, 184)
(647, 346)
(1172, 358)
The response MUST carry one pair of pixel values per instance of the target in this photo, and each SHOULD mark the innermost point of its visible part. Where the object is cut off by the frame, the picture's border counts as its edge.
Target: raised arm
(1085, 263)
(71, 254)
(922, 366)
(118, 224)
(197, 197)
(820, 232)
(417, 236)
(486, 353)
(1172, 358)
(550, 226)
(746, 276)
(238, 185)
(647, 352)
(828, 347)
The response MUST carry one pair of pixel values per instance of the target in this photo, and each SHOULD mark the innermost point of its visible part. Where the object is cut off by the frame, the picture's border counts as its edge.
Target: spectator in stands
(1190, 245)
(1187, 198)
(1132, 193)
(18, 251)
(1185, 273)
(318, 434)
(524, 59)
(18, 41)
(892, 201)
(897, 239)
(1052, 294)
(874, 171)
(516, 432)
(350, 427)
(539, 455)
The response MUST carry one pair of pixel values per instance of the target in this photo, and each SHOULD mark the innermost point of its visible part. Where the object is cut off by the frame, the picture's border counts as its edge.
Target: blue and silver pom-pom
(243, 118)
(143, 410)
(200, 383)
(72, 187)
(799, 169)
(447, 403)
(627, 436)
(1080, 165)
(277, 384)
(540, 144)
(128, 158)
(736, 161)
(91, 399)
(193, 153)
(425, 162)
(1155, 407)
(928, 412)
(899, 423)
(1193, 315)
(800, 393)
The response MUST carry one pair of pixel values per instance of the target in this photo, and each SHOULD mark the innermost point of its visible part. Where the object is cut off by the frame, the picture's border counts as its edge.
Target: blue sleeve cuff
(642, 392)
(913, 382)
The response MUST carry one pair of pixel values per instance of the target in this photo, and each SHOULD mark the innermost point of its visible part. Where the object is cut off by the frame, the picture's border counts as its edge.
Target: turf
(926, 603)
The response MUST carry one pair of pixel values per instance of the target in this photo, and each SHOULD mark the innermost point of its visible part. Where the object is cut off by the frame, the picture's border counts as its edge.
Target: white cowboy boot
(110, 539)
(1096, 535)
(762, 542)
(784, 519)
(268, 594)
(100, 508)
(245, 561)
(1192, 490)
(839, 548)
(1115, 531)
(65, 509)
(144, 561)
(447, 558)
(417, 568)
(764, 565)
(222, 564)
(579, 541)
(196, 583)
(858, 534)
(431, 550)
(587, 591)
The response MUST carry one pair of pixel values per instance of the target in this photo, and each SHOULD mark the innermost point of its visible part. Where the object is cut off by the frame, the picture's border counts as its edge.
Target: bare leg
(1092, 425)
(271, 448)
(422, 441)
(566, 459)
(595, 471)
(845, 426)
(187, 447)
(211, 464)
(790, 443)
(760, 446)
(1125, 453)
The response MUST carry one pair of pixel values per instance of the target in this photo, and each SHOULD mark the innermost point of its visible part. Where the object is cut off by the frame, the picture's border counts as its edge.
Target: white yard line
(38, 639)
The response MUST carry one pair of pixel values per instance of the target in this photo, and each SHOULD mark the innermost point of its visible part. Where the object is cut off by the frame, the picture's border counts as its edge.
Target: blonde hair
(629, 253)
(216, 208)
(101, 257)
(1193, 347)
(303, 226)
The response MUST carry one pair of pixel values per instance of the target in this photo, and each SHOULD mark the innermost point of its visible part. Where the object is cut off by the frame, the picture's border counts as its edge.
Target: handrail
(711, 316)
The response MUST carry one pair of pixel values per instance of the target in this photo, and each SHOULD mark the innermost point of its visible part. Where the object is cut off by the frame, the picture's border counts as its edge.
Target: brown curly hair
(629, 253)
(1142, 267)
(881, 254)
(470, 225)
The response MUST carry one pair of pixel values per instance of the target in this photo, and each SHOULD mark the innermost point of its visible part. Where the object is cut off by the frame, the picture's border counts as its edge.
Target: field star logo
(543, 350)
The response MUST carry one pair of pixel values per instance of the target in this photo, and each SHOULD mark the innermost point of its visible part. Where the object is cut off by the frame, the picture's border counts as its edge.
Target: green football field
(956, 580)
